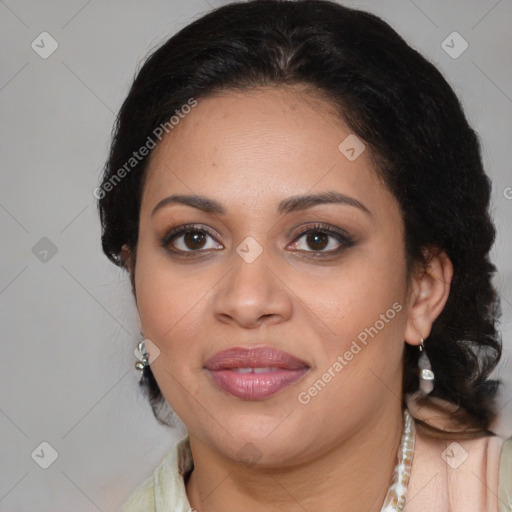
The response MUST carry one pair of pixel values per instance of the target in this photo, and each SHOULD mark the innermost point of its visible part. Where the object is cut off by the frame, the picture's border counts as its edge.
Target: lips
(256, 373)
(258, 357)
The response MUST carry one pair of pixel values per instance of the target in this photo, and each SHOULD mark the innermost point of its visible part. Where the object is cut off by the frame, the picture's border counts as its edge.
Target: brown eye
(318, 240)
(189, 239)
(194, 240)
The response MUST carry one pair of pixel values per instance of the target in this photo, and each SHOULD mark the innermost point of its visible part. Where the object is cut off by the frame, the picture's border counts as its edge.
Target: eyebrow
(288, 205)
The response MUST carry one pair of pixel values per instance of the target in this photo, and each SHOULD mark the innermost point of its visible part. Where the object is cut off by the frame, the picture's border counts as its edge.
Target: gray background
(68, 323)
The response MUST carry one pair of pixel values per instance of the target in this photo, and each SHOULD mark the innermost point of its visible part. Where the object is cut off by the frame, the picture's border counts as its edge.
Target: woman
(301, 205)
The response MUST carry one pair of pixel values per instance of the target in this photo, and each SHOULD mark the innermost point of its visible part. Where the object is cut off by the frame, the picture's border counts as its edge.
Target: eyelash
(344, 239)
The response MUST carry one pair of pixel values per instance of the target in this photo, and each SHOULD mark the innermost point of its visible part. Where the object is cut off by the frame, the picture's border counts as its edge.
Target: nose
(252, 294)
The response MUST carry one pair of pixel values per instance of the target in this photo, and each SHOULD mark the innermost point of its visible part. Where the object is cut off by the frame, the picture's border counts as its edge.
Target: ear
(429, 292)
(127, 257)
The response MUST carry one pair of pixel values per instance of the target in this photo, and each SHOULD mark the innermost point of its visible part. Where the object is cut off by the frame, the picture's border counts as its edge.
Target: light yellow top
(436, 482)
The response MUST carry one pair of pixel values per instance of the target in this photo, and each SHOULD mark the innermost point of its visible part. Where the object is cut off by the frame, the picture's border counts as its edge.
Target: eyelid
(182, 229)
(340, 235)
(323, 227)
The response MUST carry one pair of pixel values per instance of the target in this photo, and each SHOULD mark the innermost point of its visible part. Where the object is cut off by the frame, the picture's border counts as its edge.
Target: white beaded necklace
(395, 498)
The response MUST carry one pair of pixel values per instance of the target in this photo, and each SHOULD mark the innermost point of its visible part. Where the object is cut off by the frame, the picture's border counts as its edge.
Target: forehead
(245, 148)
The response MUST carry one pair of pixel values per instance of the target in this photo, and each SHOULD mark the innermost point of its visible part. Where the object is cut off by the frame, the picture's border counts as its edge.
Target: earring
(425, 370)
(144, 357)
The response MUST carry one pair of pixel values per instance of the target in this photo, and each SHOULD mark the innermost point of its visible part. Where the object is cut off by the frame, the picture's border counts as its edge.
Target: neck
(356, 470)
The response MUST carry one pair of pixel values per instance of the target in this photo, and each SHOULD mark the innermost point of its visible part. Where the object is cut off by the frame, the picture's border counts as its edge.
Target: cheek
(172, 321)
(160, 304)
(164, 293)
(355, 296)
(364, 308)
(361, 363)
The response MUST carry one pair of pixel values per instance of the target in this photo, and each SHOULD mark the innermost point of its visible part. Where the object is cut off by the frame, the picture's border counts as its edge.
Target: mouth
(255, 373)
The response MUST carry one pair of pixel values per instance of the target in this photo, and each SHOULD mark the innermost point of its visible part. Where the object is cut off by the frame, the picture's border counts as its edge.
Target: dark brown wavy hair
(393, 99)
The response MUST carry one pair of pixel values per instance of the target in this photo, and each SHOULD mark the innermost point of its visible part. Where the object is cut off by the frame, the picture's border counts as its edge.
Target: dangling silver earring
(426, 373)
(143, 360)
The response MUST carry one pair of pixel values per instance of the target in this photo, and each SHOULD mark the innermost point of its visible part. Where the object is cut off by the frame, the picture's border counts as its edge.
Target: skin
(249, 151)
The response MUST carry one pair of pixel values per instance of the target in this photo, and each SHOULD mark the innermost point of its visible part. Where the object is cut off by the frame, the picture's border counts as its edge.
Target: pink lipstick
(255, 373)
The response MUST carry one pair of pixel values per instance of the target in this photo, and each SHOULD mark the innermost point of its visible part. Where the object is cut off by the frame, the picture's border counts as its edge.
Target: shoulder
(459, 475)
(165, 488)
(143, 498)
(505, 477)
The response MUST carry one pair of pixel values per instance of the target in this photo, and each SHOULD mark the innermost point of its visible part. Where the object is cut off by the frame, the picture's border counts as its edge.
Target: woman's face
(252, 279)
